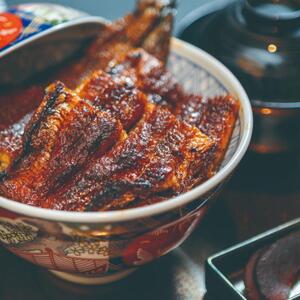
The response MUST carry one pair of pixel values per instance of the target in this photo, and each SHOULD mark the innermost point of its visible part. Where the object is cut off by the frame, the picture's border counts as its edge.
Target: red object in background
(10, 28)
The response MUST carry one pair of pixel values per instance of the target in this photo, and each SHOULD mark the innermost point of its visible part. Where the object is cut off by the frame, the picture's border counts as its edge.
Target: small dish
(224, 270)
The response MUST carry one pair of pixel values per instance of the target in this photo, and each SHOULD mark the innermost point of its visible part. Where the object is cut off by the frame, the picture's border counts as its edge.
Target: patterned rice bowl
(101, 247)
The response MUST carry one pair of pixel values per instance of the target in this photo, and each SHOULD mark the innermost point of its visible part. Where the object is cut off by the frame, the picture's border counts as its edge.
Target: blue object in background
(2, 5)
(114, 9)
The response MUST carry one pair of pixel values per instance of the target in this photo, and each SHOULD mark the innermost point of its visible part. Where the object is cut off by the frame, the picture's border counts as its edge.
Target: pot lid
(259, 40)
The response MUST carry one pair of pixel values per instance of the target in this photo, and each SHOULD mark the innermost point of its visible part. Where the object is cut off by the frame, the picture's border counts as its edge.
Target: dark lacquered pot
(260, 42)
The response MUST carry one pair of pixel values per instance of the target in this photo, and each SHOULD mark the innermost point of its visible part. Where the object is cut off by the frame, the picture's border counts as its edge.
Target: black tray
(224, 270)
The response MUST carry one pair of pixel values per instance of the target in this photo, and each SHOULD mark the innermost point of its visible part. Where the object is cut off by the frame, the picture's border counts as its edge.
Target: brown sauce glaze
(119, 131)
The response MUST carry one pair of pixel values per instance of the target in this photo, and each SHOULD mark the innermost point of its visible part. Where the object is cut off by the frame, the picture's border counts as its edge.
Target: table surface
(257, 198)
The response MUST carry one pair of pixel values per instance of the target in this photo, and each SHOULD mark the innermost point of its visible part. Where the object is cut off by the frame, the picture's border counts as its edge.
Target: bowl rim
(220, 72)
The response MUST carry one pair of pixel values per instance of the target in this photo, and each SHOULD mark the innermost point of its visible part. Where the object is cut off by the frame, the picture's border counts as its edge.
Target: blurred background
(116, 8)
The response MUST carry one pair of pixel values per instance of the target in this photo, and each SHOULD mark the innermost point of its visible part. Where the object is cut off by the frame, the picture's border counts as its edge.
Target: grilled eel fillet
(13, 122)
(150, 76)
(61, 135)
(115, 92)
(149, 26)
(213, 116)
(159, 154)
(68, 136)
(11, 143)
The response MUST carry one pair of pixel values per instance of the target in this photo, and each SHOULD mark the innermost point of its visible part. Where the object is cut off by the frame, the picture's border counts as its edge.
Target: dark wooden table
(264, 192)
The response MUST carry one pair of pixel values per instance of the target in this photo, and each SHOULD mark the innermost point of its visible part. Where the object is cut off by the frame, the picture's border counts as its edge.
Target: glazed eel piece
(173, 153)
(61, 135)
(15, 113)
(157, 41)
(149, 75)
(181, 155)
(11, 143)
(116, 95)
(215, 116)
(159, 154)
(151, 23)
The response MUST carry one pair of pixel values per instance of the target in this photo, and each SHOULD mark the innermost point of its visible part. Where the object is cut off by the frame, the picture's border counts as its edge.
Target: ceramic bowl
(100, 247)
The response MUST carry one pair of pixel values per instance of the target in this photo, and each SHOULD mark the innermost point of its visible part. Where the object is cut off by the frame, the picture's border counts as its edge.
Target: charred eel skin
(116, 94)
(151, 21)
(62, 134)
(213, 116)
(150, 159)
